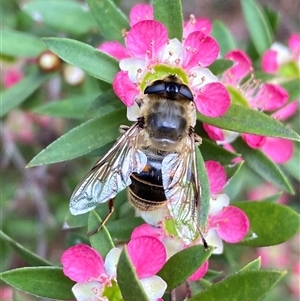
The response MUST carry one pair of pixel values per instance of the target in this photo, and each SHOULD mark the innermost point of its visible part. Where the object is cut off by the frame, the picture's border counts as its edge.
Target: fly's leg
(106, 218)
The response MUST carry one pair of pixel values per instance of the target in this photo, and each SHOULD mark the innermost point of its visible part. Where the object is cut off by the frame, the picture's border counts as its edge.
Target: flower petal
(254, 141)
(90, 291)
(242, 66)
(146, 38)
(199, 50)
(213, 132)
(111, 261)
(269, 61)
(216, 175)
(203, 25)
(286, 112)
(213, 239)
(232, 224)
(213, 100)
(140, 12)
(148, 230)
(279, 150)
(217, 203)
(115, 49)
(124, 88)
(294, 43)
(135, 68)
(147, 254)
(82, 262)
(11, 77)
(270, 97)
(200, 272)
(154, 287)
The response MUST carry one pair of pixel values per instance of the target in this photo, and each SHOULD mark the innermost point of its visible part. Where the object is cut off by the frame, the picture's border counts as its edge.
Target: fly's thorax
(167, 121)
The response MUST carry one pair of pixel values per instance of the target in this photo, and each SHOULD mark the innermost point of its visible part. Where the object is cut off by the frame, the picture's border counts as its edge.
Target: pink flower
(11, 77)
(264, 97)
(172, 243)
(96, 279)
(225, 222)
(279, 56)
(149, 55)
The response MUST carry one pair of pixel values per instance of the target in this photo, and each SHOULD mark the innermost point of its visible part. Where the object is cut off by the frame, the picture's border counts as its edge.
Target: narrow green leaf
(262, 165)
(205, 190)
(94, 62)
(223, 37)
(28, 256)
(252, 266)
(83, 139)
(272, 218)
(273, 18)
(11, 40)
(232, 169)
(183, 264)
(258, 25)
(212, 151)
(75, 107)
(100, 241)
(62, 15)
(220, 65)
(45, 282)
(255, 285)
(110, 19)
(292, 165)
(121, 229)
(128, 281)
(292, 88)
(170, 14)
(14, 96)
(244, 120)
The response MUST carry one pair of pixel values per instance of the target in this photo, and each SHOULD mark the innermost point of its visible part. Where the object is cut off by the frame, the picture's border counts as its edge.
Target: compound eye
(186, 92)
(157, 87)
(172, 88)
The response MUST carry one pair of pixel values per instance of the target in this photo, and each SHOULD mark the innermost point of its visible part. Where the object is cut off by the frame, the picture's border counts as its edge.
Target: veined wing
(110, 174)
(182, 189)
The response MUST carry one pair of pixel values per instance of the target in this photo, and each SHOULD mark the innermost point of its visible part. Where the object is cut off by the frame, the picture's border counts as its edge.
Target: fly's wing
(110, 175)
(182, 189)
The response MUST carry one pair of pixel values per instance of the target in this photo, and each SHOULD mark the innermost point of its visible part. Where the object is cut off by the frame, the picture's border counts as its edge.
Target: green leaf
(170, 14)
(252, 266)
(183, 264)
(243, 286)
(258, 25)
(220, 65)
(274, 224)
(128, 281)
(205, 190)
(121, 229)
(94, 62)
(262, 165)
(212, 151)
(273, 17)
(14, 96)
(232, 169)
(62, 15)
(100, 241)
(46, 282)
(292, 165)
(75, 107)
(28, 256)
(223, 36)
(83, 139)
(110, 19)
(245, 120)
(292, 88)
(11, 40)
